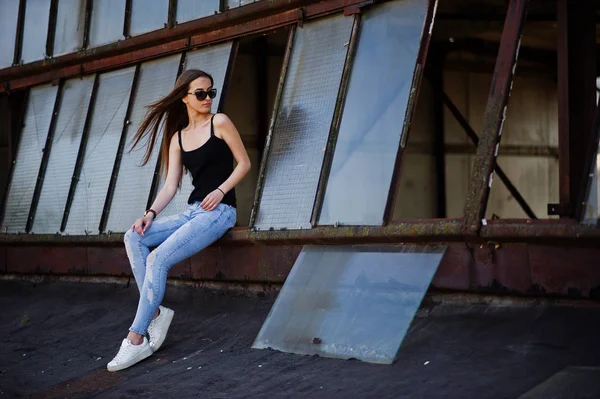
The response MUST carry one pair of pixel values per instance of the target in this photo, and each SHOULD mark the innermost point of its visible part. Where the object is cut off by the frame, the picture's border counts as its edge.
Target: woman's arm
(225, 129)
(174, 171)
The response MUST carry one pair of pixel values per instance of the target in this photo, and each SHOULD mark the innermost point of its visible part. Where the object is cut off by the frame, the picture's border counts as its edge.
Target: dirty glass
(105, 131)
(35, 31)
(213, 60)
(71, 116)
(302, 124)
(106, 26)
(188, 10)
(147, 15)
(373, 115)
(350, 301)
(155, 80)
(70, 21)
(9, 15)
(591, 213)
(29, 157)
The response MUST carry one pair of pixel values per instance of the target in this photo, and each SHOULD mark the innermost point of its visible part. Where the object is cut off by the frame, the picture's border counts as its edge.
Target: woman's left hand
(211, 201)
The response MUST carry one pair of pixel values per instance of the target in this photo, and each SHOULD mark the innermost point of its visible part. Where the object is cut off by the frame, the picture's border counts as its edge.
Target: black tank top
(210, 165)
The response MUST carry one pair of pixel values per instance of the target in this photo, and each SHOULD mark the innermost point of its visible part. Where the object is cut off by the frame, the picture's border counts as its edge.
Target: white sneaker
(157, 330)
(129, 354)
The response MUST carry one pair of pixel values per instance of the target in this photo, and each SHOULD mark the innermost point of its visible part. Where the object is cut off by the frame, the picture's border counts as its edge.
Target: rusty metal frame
(241, 21)
(51, 35)
(20, 32)
(89, 6)
(156, 177)
(122, 141)
(80, 153)
(336, 121)
(267, 148)
(410, 109)
(172, 15)
(127, 19)
(45, 158)
(495, 112)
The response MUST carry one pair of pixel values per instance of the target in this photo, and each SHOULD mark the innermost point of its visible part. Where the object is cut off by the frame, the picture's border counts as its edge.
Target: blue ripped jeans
(176, 238)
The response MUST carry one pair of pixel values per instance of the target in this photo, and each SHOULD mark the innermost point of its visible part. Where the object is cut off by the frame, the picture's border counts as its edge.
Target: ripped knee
(150, 264)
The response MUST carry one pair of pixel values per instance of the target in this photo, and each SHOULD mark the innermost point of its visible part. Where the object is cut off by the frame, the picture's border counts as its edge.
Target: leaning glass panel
(106, 26)
(592, 205)
(108, 116)
(70, 120)
(156, 79)
(70, 21)
(188, 10)
(373, 115)
(213, 60)
(350, 301)
(147, 15)
(29, 157)
(35, 31)
(302, 124)
(9, 15)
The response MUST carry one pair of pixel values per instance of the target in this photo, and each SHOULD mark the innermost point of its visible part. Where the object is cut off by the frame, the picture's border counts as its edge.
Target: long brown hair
(169, 111)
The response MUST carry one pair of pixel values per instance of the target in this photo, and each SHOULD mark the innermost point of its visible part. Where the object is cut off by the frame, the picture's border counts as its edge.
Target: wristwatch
(150, 211)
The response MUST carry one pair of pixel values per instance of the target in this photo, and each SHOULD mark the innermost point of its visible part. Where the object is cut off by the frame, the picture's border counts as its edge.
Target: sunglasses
(201, 94)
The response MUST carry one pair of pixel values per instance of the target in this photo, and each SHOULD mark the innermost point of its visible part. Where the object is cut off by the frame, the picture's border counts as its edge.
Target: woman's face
(203, 87)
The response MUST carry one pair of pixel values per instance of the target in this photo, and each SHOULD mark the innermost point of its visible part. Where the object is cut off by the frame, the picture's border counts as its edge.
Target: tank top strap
(179, 135)
(212, 126)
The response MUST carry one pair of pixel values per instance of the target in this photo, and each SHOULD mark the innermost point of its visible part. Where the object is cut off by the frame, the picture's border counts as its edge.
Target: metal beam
(495, 113)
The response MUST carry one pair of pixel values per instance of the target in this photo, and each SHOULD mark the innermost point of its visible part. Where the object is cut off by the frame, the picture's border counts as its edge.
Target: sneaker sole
(140, 356)
(169, 318)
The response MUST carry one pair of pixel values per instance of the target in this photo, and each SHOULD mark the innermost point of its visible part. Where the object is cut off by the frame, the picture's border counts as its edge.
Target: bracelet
(221, 190)
(150, 211)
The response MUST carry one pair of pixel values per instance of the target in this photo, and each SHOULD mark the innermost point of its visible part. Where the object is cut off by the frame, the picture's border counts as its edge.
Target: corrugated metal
(147, 15)
(156, 79)
(106, 26)
(9, 15)
(303, 124)
(104, 135)
(350, 301)
(29, 157)
(61, 162)
(37, 13)
(188, 10)
(373, 115)
(213, 60)
(70, 21)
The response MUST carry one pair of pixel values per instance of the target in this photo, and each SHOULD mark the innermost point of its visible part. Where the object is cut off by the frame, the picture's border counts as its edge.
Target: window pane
(373, 114)
(233, 3)
(188, 10)
(9, 15)
(29, 157)
(71, 116)
(107, 22)
(70, 20)
(147, 15)
(213, 60)
(303, 123)
(105, 132)
(592, 210)
(350, 301)
(156, 79)
(35, 31)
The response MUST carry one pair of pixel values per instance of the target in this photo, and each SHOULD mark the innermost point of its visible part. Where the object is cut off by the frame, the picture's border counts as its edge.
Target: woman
(205, 144)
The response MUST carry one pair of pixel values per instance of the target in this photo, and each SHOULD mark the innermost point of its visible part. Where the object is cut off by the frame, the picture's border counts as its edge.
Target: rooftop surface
(56, 338)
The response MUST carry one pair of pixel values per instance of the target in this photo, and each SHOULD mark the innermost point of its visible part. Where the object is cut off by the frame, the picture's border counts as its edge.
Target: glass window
(213, 60)
(303, 123)
(374, 112)
(147, 15)
(9, 15)
(106, 26)
(29, 157)
(108, 116)
(188, 10)
(350, 301)
(155, 80)
(35, 31)
(233, 3)
(74, 105)
(70, 22)
(592, 206)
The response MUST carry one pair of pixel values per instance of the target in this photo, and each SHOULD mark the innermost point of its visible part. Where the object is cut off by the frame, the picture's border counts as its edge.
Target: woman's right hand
(142, 224)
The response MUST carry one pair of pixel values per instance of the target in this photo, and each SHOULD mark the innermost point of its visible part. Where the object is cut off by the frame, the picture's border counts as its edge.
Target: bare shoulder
(222, 120)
